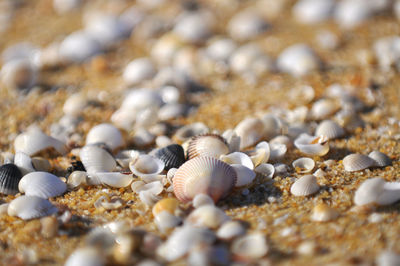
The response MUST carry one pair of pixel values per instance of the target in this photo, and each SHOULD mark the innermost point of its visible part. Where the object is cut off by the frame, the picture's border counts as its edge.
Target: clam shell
(138, 70)
(250, 131)
(251, 246)
(330, 129)
(238, 158)
(96, 159)
(42, 184)
(303, 165)
(146, 165)
(172, 155)
(107, 134)
(311, 145)
(207, 216)
(191, 130)
(10, 175)
(357, 162)
(114, 179)
(30, 207)
(244, 175)
(87, 256)
(265, 169)
(305, 186)
(210, 145)
(381, 159)
(376, 190)
(205, 175)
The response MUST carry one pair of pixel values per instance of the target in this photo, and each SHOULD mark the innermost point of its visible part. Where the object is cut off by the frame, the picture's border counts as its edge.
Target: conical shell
(10, 176)
(107, 134)
(357, 162)
(172, 155)
(206, 175)
(30, 207)
(304, 186)
(210, 145)
(381, 159)
(96, 159)
(330, 129)
(42, 184)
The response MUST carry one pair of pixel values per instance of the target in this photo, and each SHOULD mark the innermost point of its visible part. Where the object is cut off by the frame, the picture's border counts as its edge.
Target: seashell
(246, 25)
(165, 48)
(146, 118)
(244, 175)
(146, 165)
(230, 230)
(303, 165)
(376, 190)
(77, 178)
(164, 141)
(323, 109)
(194, 27)
(143, 138)
(319, 173)
(170, 94)
(10, 175)
(323, 213)
(96, 159)
(166, 221)
(330, 129)
(31, 207)
(19, 74)
(186, 132)
(87, 256)
(41, 164)
(265, 169)
(277, 151)
(311, 145)
(171, 111)
(387, 257)
(41, 184)
(357, 162)
(78, 46)
(209, 255)
(238, 158)
(114, 179)
(205, 175)
(252, 246)
(260, 154)
(148, 198)
(221, 49)
(201, 200)
(281, 139)
(297, 60)
(65, 6)
(351, 13)
(124, 157)
(281, 169)
(381, 159)
(313, 11)
(24, 163)
(107, 203)
(386, 51)
(209, 145)
(138, 70)
(250, 131)
(302, 94)
(305, 186)
(170, 205)
(139, 99)
(272, 125)
(207, 216)
(172, 155)
(232, 139)
(107, 134)
(170, 174)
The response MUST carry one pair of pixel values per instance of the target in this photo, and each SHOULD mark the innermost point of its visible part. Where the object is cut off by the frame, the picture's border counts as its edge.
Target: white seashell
(208, 216)
(387, 51)
(109, 203)
(87, 256)
(250, 131)
(238, 158)
(349, 119)
(65, 6)
(311, 145)
(163, 141)
(148, 198)
(202, 200)
(138, 70)
(210, 145)
(244, 175)
(41, 184)
(265, 169)
(302, 94)
(260, 154)
(305, 186)
(143, 138)
(230, 230)
(139, 99)
(277, 151)
(381, 159)
(146, 165)
(96, 159)
(76, 179)
(114, 179)
(324, 108)
(281, 139)
(298, 60)
(171, 111)
(75, 104)
(232, 139)
(252, 246)
(246, 25)
(323, 213)
(387, 258)
(166, 221)
(303, 165)
(146, 117)
(221, 50)
(249, 59)
(330, 129)
(31, 207)
(357, 162)
(78, 46)
(319, 173)
(24, 163)
(351, 13)
(194, 27)
(272, 125)
(19, 74)
(186, 132)
(313, 11)
(376, 190)
(107, 134)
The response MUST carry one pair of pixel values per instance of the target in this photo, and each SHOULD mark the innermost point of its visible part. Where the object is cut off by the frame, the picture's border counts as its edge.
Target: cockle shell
(298, 60)
(42, 184)
(205, 175)
(250, 131)
(303, 165)
(210, 145)
(146, 165)
(377, 190)
(312, 145)
(96, 159)
(138, 70)
(107, 134)
(114, 179)
(172, 155)
(251, 246)
(330, 129)
(357, 162)
(238, 158)
(208, 216)
(30, 207)
(381, 159)
(305, 186)
(10, 176)
(87, 256)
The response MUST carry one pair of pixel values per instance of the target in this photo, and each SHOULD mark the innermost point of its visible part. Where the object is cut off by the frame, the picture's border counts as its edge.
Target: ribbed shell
(172, 155)
(96, 159)
(381, 159)
(330, 129)
(357, 162)
(10, 175)
(305, 186)
(42, 184)
(210, 145)
(206, 175)
(30, 207)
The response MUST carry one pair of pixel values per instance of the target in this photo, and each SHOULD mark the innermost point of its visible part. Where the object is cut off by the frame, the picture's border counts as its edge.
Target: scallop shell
(209, 145)
(172, 155)
(204, 175)
(138, 70)
(381, 159)
(311, 145)
(357, 162)
(87, 256)
(303, 165)
(10, 176)
(323, 213)
(146, 165)
(107, 134)
(250, 131)
(30, 207)
(96, 159)
(330, 129)
(191, 130)
(207, 216)
(41, 184)
(252, 246)
(305, 186)
(114, 179)
(238, 158)
(24, 163)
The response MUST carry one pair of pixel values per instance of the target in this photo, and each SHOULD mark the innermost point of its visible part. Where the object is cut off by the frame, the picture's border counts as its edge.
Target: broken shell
(267, 170)
(170, 205)
(298, 60)
(41, 164)
(210, 145)
(260, 154)
(330, 129)
(357, 162)
(96, 159)
(87, 256)
(238, 158)
(205, 175)
(232, 139)
(323, 213)
(146, 166)
(207, 216)
(138, 70)
(107, 134)
(311, 145)
(10, 176)
(250, 131)
(252, 246)
(230, 230)
(244, 175)
(201, 200)
(381, 159)
(30, 207)
(77, 178)
(305, 186)
(303, 165)
(172, 155)
(107, 203)
(41, 184)
(376, 190)
(188, 131)
(114, 179)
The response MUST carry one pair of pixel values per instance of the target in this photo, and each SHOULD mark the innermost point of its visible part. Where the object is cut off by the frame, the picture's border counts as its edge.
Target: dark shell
(10, 175)
(172, 155)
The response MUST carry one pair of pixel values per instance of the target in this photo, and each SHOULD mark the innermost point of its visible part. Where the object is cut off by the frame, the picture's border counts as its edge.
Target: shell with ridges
(357, 162)
(172, 155)
(41, 184)
(238, 158)
(107, 134)
(330, 129)
(250, 130)
(96, 159)
(210, 145)
(305, 186)
(303, 165)
(10, 175)
(377, 191)
(381, 159)
(30, 207)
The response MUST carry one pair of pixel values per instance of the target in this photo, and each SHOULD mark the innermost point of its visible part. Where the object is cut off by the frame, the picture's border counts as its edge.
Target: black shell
(172, 155)
(10, 175)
